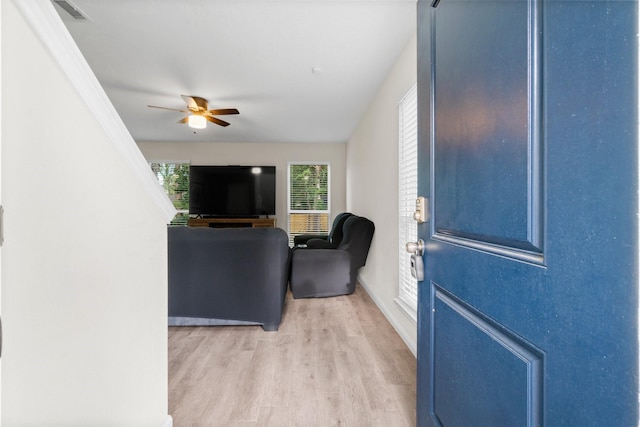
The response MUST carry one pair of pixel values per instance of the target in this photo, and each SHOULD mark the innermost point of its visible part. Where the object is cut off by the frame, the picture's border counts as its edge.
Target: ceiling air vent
(71, 9)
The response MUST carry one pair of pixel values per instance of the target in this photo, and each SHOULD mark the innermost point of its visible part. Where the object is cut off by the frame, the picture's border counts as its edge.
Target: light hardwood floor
(333, 362)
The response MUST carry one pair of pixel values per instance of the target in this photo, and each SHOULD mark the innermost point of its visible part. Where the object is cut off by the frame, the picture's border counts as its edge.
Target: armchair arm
(321, 273)
(304, 238)
(319, 244)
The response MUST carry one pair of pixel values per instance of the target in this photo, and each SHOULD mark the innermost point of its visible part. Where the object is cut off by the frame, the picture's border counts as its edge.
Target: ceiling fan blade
(195, 102)
(223, 111)
(165, 108)
(201, 102)
(191, 103)
(217, 121)
(185, 120)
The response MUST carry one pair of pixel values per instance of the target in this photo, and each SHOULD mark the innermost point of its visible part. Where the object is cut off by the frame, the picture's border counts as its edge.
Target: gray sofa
(227, 276)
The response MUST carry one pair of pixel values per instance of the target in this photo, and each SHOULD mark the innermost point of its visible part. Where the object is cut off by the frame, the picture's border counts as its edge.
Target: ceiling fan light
(197, 122)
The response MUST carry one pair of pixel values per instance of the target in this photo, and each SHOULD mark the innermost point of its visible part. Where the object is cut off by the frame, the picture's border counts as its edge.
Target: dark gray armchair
(331, 272)
(324, 241)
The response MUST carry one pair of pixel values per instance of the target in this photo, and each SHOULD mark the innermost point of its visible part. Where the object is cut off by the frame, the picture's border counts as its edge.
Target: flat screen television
(232, 191)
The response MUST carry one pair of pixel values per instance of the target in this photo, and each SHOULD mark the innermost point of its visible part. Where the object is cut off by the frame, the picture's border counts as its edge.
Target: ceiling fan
(199, 113)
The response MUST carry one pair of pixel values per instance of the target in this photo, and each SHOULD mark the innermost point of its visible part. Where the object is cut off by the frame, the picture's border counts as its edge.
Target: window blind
(408, 192)
(308, 199)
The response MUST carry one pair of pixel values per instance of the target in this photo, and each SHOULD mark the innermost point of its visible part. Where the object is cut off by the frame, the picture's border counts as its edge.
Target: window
(174, 178)
(408, 192)
(308, 199)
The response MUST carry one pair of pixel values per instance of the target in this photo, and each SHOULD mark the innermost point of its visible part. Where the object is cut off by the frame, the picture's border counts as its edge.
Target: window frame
(297, 211)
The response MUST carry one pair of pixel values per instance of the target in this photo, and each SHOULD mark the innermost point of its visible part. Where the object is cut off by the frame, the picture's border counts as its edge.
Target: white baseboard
(391, 318)
(168, 422)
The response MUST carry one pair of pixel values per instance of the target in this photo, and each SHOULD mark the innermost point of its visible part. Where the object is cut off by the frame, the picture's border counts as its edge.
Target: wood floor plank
(333, 362)
(356, 403)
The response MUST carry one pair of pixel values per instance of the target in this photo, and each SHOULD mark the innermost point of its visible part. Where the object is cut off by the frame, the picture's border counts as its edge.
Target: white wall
(267, 154)
(372, 189)
(84, 279)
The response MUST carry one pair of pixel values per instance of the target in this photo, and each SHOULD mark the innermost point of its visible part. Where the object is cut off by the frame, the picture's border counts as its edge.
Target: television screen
(232, 191)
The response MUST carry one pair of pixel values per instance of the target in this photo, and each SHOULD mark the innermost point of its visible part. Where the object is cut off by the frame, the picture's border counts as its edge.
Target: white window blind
(308, 199)
(408, 192)
(174, 178)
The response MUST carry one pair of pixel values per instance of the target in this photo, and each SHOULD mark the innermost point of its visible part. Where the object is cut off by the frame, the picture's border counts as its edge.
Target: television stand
(231, 222)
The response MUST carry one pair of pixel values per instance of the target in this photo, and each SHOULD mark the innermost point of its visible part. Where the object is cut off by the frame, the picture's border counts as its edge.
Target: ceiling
(298, 70)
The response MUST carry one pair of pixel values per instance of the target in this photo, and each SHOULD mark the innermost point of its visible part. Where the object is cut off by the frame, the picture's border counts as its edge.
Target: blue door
(528, 314)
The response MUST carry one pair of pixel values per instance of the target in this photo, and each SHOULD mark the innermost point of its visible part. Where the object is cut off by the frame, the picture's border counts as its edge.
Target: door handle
(416, 248)
(417, 265)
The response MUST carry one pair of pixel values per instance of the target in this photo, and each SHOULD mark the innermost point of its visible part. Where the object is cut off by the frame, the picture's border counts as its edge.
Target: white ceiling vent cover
(71, 9)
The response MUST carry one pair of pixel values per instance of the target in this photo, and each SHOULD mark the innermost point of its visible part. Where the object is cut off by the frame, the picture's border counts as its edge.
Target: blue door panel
(509, 395)
(529, 311)
(481, 153)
